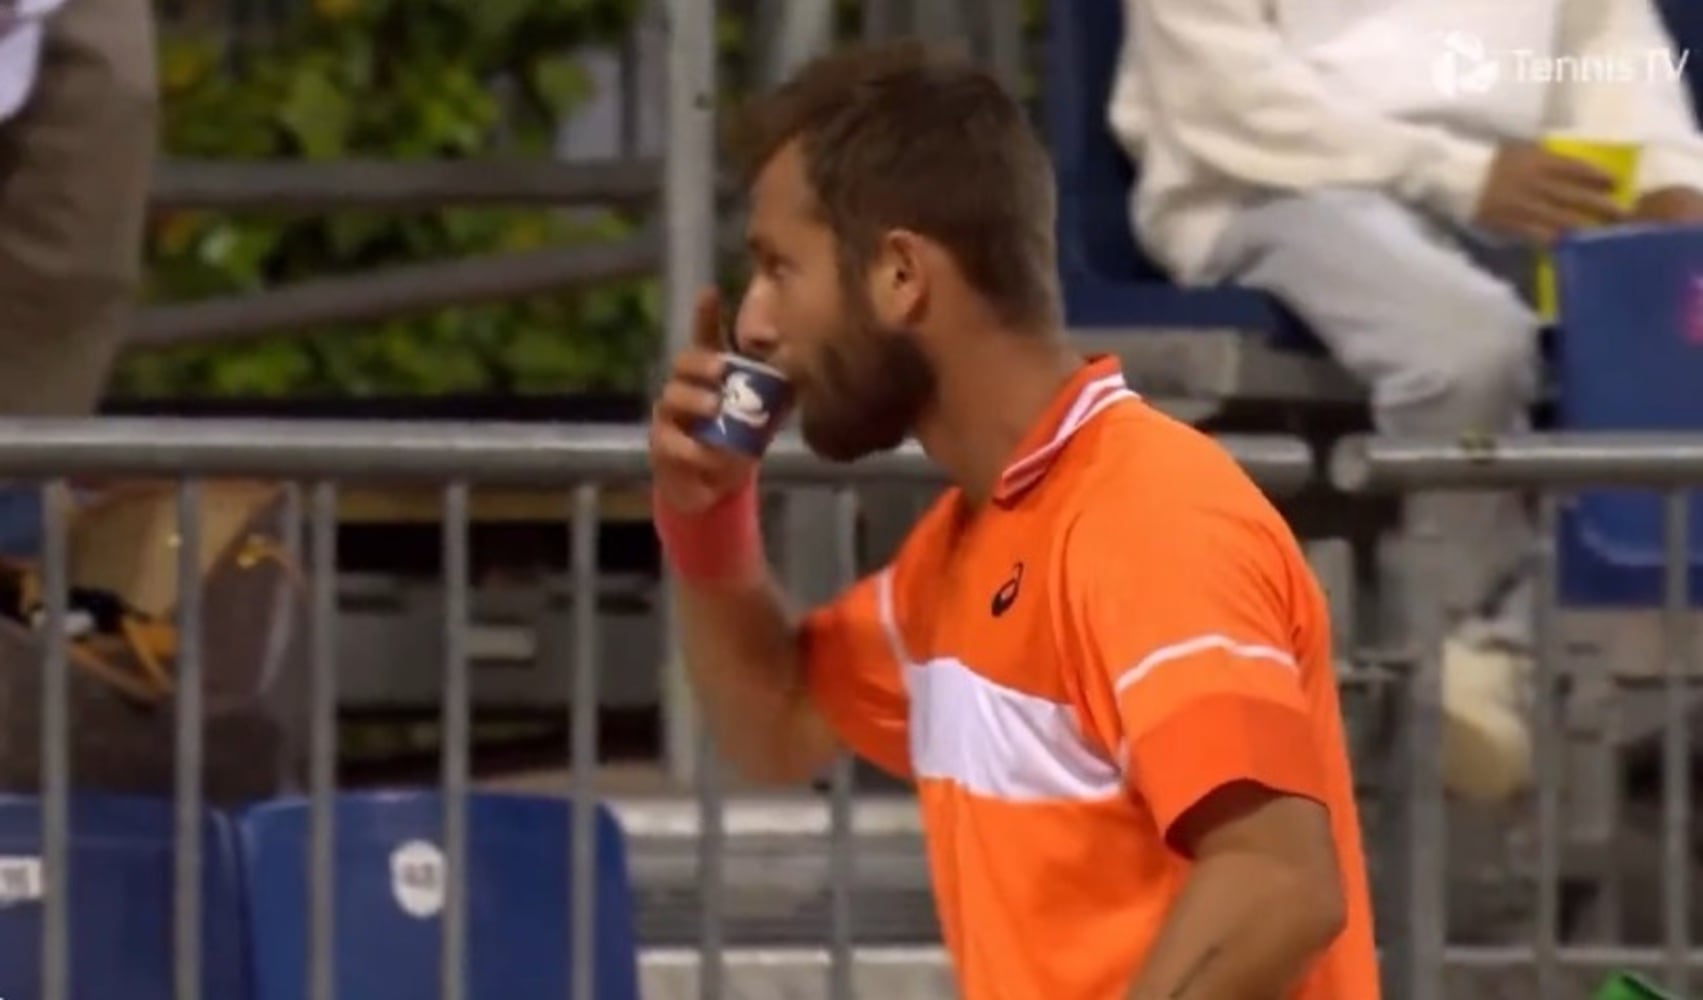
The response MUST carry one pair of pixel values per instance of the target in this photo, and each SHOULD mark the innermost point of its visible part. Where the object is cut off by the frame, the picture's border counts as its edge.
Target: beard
(866, 392)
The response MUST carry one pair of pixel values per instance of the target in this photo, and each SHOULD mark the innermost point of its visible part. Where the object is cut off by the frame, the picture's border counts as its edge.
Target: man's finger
(673, 447)
(680, 457)
(698, 365)
(707, 331)
(687, 402)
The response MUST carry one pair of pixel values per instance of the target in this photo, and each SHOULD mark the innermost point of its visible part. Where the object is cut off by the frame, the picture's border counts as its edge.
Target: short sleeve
(854, 673)
(1188, 621)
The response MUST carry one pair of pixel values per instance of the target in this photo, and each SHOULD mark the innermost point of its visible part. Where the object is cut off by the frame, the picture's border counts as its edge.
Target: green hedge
(399, 79)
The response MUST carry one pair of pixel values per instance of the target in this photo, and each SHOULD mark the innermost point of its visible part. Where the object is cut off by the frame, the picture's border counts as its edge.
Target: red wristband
(722, 544)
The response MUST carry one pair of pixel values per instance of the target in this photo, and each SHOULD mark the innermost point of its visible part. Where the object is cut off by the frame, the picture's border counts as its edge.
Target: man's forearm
(1240, 930)
(741, 647)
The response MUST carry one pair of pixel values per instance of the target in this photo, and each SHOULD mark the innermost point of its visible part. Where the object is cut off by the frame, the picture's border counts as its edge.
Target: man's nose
(754, 330)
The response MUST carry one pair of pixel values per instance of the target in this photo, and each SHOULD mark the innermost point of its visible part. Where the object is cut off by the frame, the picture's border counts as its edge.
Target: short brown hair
(905, 135)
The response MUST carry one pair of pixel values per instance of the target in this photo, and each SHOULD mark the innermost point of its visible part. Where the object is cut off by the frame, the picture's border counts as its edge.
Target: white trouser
(1432, 323)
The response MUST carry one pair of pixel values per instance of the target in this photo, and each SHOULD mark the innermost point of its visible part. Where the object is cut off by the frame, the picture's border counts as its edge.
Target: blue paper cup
(754, 401)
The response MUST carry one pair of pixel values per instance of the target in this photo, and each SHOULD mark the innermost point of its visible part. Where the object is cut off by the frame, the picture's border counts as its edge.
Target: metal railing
(1550, 465)
(589, 459)
(458, 457)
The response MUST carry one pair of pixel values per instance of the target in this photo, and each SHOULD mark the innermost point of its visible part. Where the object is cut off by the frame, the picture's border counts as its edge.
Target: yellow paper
(1617, 159)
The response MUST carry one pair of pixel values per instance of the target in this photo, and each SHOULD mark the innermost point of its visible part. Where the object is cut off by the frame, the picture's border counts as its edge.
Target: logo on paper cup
(417, 879)
(754, 398)
(741, 401)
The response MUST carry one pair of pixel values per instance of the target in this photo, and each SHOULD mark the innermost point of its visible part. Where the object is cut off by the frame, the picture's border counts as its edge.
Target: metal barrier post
(689, 266)
(457, 740)
(842, 858)
(322, 744)
(186, 909)
(1000, 22)
(1676, 744)
(583, 736)
(1547, 750)
(712, 851)
(688, 201)
(1418, 955)
(792, 31)
(55, 749)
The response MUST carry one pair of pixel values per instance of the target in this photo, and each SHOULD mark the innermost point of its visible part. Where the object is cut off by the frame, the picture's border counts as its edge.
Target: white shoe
(1487, 746)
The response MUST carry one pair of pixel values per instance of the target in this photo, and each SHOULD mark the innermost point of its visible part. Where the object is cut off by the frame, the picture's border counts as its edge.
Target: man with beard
(1099, 656)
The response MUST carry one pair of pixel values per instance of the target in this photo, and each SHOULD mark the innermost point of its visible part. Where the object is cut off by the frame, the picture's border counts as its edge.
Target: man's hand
(737, 636)
(691, 476)
(1539, 196)
(1256, 853)
(1680, 206)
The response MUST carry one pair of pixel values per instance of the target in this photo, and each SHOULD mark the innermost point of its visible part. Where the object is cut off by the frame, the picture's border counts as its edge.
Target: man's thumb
(707, 329)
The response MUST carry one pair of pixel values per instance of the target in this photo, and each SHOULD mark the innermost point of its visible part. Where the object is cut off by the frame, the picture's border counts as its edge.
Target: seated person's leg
(75, 166)
(1446, 348)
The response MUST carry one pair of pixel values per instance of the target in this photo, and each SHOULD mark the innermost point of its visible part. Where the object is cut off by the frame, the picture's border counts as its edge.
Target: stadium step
(920, 973)
(774, 885)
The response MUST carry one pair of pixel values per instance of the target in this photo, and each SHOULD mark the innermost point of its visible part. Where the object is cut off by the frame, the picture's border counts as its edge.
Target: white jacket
(20, 49)
(1224, 100)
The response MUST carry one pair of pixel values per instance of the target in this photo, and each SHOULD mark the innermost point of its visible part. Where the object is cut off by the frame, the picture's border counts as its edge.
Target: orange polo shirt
(1125, 628)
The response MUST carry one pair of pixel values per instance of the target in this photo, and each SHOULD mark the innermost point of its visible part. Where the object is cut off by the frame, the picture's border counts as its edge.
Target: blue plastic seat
(389, 890)
(1629, 358)
(1107, 280)
(121, 893)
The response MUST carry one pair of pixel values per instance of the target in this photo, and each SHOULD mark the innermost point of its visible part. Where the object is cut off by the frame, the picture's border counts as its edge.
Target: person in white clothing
(1376, 165)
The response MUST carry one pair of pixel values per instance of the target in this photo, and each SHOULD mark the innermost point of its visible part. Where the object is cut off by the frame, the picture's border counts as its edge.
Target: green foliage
(390, 79)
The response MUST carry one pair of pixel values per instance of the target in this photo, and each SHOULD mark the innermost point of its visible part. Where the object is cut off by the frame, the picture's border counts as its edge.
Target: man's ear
(899, 278)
